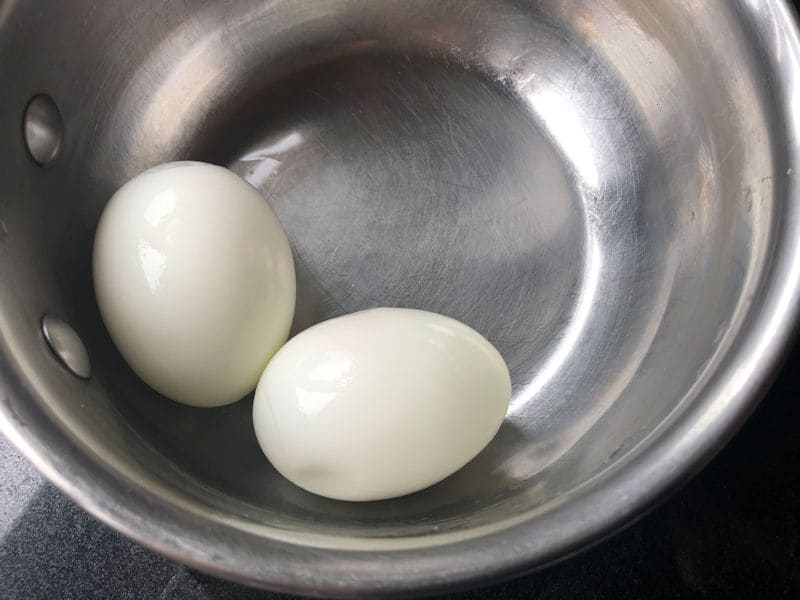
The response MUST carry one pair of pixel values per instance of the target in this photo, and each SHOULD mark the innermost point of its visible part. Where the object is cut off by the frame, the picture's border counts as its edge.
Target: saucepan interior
(605, 190)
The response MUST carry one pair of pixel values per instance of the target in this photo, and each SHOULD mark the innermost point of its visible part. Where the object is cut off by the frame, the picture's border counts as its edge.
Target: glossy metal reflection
(606, 190)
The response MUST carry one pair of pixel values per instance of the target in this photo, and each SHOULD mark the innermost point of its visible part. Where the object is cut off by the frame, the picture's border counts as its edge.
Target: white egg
(195, 281)
(380, 403)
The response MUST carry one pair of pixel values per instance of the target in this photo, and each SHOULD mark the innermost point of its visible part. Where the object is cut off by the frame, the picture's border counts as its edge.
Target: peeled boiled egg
(379, 403)
(195, 281)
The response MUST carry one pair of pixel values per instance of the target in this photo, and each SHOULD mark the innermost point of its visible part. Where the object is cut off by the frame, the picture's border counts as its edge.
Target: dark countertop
(732, 532)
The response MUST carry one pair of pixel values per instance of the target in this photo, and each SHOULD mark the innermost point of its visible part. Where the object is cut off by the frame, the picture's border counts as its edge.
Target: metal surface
(67, 346)
(43, 129)
(606, 190)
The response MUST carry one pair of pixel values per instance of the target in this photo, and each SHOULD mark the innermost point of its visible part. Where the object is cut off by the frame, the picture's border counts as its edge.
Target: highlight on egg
(195, 281)
(380, 403)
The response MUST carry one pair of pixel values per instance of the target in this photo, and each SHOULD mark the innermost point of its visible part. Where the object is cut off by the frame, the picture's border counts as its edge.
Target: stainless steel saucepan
(607, 190)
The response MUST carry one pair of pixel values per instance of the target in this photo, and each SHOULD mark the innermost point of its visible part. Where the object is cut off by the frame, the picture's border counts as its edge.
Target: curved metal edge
(621, 492)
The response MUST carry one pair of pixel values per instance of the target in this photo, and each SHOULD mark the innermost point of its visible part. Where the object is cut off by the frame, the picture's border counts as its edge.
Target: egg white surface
(380, 403)
(195, 282)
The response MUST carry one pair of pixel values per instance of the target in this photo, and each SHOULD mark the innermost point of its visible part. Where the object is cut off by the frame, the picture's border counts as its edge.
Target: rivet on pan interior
(43, 129)
(67, 346)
